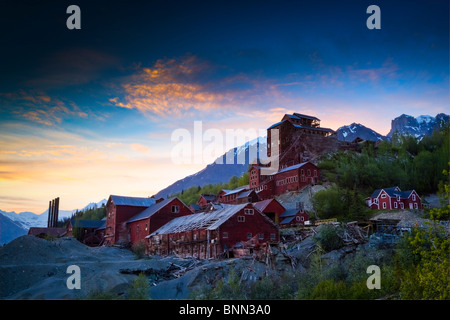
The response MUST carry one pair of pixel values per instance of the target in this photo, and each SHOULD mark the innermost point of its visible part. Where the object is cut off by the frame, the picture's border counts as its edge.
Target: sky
(85, 113)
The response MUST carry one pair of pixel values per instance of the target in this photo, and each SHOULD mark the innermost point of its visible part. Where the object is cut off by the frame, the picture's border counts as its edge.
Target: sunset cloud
(170, 87)
(36, 106)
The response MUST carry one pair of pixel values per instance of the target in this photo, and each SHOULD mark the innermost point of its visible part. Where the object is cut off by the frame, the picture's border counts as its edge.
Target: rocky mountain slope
(417, 127)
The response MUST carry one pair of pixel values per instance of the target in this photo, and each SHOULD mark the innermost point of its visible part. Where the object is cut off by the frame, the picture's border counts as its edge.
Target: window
(137, 229)
(224, 235)
(261, 236)
(402, 205)
(395, 205)
(415, 205)
(272, 236)
(309, 172)
(146, 226)
(383, 195)
(249, 235)
(175, 209)
(315, 173)
(241, 219)
(302, 172)
(414, 197)
(384, 205)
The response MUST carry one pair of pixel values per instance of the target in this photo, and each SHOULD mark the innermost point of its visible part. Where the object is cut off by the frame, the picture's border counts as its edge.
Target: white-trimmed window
(384, 205)
(395, 205)
(248, 211)
(415, 205)
(175, 209)
(224, 235)
(413, 197)
(241, 219)
(261, 236)
(249, 235)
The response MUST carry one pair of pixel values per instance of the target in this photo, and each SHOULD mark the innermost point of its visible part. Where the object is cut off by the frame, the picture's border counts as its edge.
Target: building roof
(237, 190)
(289, 213)
(208, 196)
(314, 128)
(276, 124)
(147, 213)
(393, 192)
(261, 205)
(244, 194)
(132, 201)
(295, 166)
(287, 220)
(297, 116)
(300, 115)
(205, 220)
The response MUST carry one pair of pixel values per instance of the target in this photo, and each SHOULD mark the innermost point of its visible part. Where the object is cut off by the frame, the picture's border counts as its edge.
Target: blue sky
(86, 113)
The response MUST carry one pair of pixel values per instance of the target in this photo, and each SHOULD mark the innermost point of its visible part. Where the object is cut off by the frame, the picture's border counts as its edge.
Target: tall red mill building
(129, 219)
(298, 136)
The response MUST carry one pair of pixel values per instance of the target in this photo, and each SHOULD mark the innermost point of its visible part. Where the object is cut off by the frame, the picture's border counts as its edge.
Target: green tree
(140, 289)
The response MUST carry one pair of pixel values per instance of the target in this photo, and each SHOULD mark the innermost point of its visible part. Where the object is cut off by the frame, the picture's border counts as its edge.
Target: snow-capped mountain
(355, 130)
(221, 170)
(13, 225)
(417, 127)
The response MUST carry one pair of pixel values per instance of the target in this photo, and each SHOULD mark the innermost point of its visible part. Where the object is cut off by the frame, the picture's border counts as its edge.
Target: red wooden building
(210, 234)
(293, 217)
(296, 134)
(271, 208)
(206, 198)
(394, 199)
(154, 217)
(237, 196)
(290, 178)
(119, 210)
(86, 231)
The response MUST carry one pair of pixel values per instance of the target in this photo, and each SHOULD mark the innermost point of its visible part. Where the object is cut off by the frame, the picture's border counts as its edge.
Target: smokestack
(49, 212)
(52, 217)
(56, 213)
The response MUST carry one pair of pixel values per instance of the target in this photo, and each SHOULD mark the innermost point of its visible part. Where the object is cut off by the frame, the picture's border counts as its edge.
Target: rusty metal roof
(132, 201)
(206, 220)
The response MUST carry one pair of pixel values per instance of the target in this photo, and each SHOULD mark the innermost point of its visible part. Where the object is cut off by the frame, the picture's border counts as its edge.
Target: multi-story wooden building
(210, 234)
(119, 209)
(154, 217)
(291, 178)
(394, 199)
(297, 135)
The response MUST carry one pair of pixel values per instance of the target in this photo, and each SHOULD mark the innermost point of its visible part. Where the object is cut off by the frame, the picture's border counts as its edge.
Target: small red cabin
(271, 208)
(394, 199)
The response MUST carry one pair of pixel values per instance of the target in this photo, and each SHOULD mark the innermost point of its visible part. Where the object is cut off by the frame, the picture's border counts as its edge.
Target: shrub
(138, 249)
(140, 289)
(329, 237)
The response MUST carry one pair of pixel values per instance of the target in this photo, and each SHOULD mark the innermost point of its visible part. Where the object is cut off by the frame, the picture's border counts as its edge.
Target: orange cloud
(36, 106)
(170, 87)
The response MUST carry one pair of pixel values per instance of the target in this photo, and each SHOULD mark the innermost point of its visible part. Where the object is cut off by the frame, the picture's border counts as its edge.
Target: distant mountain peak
(417, 127)
(354, 130)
